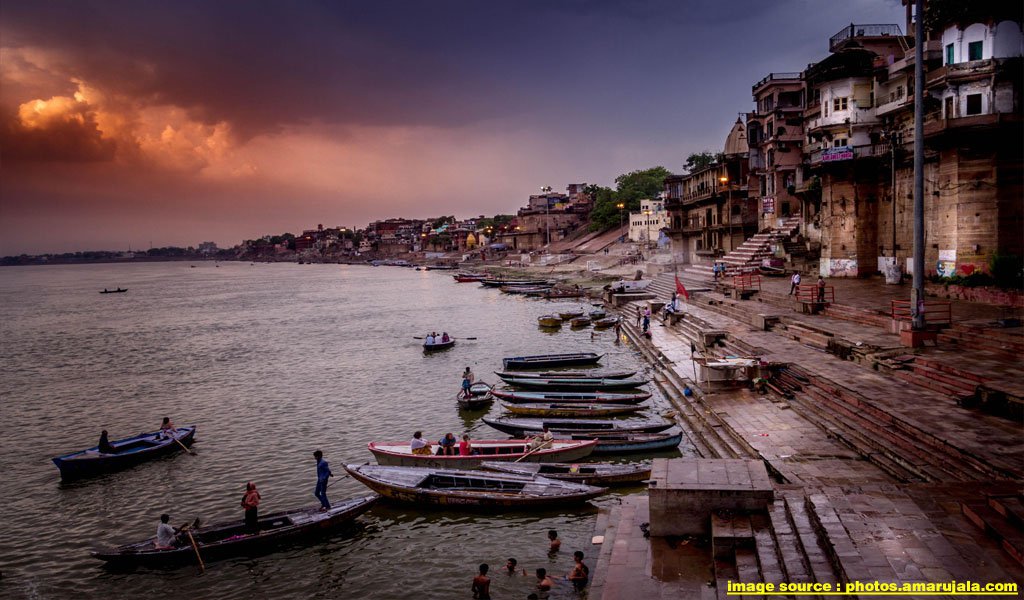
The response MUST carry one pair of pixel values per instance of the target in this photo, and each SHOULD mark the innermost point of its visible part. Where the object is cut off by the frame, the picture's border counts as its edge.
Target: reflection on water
(272, 362)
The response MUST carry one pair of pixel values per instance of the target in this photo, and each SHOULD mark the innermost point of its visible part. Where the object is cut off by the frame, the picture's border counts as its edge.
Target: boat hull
(438, 346)
(523, 427)
(517, 397)
(306, 523)
(583, 385)
(549, 321)
(586, 473)
(544, 361)
(611, 444)
(88, 463)
(532, 492)
(576, 411)
(397, 454)
(567, 374)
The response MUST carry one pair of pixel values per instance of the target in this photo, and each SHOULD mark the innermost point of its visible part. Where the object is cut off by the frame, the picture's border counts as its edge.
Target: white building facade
(645, 225)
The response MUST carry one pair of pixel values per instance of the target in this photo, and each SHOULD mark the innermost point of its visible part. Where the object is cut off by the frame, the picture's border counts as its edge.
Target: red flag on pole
(680, 289)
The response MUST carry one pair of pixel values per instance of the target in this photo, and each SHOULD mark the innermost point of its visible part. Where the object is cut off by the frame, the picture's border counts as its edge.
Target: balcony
(776, 77)
(860, 31)
(960, 72)
(895, 105)
(936, 126)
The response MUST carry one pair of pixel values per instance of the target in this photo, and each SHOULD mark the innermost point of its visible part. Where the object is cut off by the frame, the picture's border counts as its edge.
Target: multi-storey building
(775, 136)
(645, 225)
(708, 211)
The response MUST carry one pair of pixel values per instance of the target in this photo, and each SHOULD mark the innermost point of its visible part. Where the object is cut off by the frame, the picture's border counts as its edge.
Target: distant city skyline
(130, 123)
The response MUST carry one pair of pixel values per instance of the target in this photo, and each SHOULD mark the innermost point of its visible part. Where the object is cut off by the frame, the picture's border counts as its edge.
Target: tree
(701, 160)
(630, 188)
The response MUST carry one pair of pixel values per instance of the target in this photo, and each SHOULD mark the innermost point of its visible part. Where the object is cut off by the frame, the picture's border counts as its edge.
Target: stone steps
(988, 339)
(1009, 535)
(945, 368)
(820, 566)
(919, 376)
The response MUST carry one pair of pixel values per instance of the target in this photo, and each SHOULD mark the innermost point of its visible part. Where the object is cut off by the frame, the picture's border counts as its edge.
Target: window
(949, 54)
(899, 92)
(974, 104)
(838, 142)
(838, 104)
(974, 51)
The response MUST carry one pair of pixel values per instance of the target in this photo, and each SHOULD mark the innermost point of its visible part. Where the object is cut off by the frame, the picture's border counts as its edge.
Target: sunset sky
(175, 122)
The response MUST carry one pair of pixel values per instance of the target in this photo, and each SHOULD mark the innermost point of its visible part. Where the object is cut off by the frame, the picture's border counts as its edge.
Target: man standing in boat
(323, 473)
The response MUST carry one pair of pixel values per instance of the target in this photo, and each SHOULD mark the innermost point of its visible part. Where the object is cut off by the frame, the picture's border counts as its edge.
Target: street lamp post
(724, 180)
(620, 206)
(647, 227)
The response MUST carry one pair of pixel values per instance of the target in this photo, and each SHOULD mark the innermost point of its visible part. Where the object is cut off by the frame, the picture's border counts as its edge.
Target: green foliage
(701, 160)
(496, 221)
(441, 221)
(939, 14)
(630, 188)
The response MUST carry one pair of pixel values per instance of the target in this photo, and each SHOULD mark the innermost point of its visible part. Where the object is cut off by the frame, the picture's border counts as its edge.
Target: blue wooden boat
(545, 361)
(523, 427)
(629, 443)
(438, 345)
(130, 451)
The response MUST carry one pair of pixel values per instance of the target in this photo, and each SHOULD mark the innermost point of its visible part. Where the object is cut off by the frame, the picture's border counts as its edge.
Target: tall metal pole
(917, 293)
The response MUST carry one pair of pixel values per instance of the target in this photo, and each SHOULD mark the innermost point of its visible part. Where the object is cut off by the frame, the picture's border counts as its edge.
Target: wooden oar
(537, 449)
(184, 447)
(202, 567)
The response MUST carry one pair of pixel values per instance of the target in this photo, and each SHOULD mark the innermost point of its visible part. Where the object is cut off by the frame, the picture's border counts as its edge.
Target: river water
(271, 361)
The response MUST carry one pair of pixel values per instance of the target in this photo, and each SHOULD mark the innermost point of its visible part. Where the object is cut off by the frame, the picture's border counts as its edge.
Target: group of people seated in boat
(433, 338)
(167, 431)
(446, 446)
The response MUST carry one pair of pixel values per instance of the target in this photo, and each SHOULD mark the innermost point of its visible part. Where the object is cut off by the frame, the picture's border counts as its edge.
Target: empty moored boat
(605, 323)
(579, 322)
(398, 454)
(588, 473)
(573, 410)
(473, 402)
(543, 361)
(521, 427)
(130, 451)
(571, 314)
(470, 489)
(567, 374)
(583, 385)
(549, 321)
(234, 539)
(630, 443)
(573, 397)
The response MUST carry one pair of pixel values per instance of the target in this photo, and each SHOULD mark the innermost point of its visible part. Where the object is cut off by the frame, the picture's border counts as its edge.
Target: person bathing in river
(555, 543)
(481, 587)
(418, 445)
(104, 445)
(580, 573)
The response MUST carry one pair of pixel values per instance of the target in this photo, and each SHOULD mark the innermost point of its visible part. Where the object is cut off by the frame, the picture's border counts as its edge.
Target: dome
(736, 141)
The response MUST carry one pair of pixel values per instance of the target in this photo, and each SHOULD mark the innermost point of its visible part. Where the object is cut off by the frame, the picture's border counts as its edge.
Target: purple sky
(171, 123)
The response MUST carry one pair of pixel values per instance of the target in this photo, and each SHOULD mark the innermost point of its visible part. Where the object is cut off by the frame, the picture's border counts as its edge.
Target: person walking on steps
(794, 283)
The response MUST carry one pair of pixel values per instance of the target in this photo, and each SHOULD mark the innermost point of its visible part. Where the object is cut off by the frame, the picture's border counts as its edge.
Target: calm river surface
(271, 361)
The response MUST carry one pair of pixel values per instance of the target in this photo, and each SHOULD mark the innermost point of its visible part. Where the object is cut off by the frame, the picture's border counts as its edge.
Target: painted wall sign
(836, 154)
(768, 205)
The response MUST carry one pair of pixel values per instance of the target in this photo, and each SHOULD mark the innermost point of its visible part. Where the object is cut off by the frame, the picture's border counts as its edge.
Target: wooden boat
(398, 454)
(438, 345)
(565, 397)
(588, 473)
(543, 361)
(605, 323)
(469, 489)
(479, 388)
(572, 314)
(522, 290)
(597, 314)
(572, 410)
(233, 539)
(130, 451)
(549, 321)
(473, 402)
(567, 374)
(579, 322)
(629, 443)
(469, 277)
(499, 283)
(117, 291)
(522, 427)
(559, 294)
(583, 385)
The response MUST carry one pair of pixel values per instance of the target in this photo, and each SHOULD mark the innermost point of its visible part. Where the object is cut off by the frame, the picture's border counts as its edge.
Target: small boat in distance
(570, 314)
(630, 443)
(542, 361)
(579, 322)
(129, 451)
(469, 277)
(117, 291)
(605, 323)
(399, 454)
(473, 402)
(469, 489)
(234, 539)
(589, 473)
(438, 345)
(549, 321)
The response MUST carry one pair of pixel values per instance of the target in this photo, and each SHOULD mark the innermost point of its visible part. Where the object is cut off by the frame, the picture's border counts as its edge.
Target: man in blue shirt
(323, 472)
